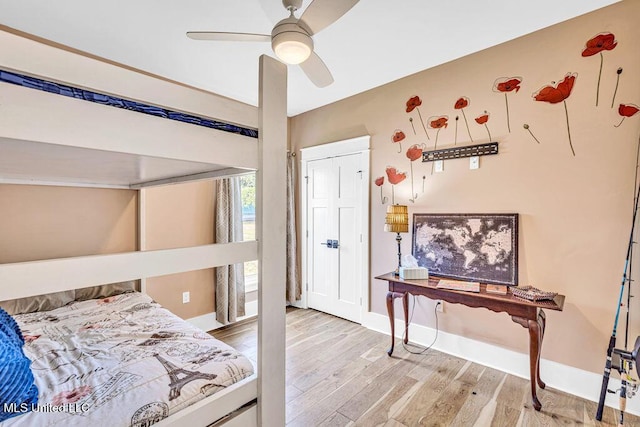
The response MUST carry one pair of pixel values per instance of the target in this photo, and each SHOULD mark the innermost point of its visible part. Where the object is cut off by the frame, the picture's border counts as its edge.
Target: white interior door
(334, 241)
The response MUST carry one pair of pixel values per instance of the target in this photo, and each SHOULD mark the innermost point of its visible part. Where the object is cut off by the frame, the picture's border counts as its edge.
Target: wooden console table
(526, 313)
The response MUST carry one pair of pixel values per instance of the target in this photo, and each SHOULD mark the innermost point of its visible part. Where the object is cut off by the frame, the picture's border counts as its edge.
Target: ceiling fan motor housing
(291, 42)
(292, 4)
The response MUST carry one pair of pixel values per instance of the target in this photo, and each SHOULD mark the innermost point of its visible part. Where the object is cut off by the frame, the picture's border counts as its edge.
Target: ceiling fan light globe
(292, 47)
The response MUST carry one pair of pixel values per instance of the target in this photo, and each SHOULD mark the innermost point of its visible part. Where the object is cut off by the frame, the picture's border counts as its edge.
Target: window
(248, 195)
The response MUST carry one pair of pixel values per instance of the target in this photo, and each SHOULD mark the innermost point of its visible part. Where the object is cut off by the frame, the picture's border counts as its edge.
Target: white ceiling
(378, 41)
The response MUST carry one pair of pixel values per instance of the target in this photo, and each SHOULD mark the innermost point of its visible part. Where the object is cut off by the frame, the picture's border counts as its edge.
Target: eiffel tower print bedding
(120, 361)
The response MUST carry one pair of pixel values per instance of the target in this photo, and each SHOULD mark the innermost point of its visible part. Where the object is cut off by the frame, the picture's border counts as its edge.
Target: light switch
(439, 165)
(474, 162)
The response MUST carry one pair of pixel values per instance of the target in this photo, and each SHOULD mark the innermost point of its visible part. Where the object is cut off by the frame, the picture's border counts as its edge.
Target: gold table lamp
(397, 221)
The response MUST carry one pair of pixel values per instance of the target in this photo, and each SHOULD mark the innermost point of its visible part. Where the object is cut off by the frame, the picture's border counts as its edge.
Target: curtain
(294, 289)
(230, 278)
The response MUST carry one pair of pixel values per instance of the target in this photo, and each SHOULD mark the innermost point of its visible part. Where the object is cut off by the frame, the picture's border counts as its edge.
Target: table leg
(390, 297)
(542, 323)
(535, 343)
(405, 306)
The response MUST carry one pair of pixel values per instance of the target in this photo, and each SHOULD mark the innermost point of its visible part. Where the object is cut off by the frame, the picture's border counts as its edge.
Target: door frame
(358, 145)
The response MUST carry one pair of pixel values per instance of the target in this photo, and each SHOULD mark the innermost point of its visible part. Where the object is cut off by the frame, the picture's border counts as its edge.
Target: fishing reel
(623, 361)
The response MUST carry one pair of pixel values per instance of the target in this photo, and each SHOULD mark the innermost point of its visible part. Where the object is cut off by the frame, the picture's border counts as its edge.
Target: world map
(480, 247)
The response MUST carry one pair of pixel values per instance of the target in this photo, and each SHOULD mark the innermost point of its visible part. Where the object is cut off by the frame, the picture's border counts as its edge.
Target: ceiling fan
(291, 38)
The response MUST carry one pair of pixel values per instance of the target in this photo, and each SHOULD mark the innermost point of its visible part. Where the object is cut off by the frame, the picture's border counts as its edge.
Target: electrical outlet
(186, 297)
(439, 166)
(474, 162)
(440, 306)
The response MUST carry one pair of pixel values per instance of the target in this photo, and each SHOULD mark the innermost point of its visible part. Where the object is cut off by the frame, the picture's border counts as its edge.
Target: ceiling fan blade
(222, 36)
(317, 71)
(322, 13)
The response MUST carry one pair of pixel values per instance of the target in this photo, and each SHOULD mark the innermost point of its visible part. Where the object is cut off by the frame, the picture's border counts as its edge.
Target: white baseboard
(566, 378)
(299, 304)
(207, 322)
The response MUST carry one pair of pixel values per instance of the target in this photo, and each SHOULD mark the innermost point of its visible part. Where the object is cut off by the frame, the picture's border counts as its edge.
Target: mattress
(121, 361)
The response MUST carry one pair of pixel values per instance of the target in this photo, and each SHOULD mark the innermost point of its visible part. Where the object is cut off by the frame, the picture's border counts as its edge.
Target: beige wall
(179, 216)
(57, 222)
(575, 212)
(44, 222)
(41, 222)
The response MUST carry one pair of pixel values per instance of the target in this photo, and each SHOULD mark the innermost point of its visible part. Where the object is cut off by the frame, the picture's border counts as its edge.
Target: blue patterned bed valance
(87, 95)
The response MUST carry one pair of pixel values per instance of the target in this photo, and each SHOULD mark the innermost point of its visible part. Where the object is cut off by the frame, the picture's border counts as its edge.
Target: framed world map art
(477, 247)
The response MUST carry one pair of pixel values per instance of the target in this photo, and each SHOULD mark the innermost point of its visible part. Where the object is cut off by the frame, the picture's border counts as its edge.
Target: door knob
(331, 244)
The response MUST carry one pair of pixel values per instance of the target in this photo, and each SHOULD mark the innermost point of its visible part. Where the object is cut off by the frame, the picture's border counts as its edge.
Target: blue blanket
(16, 379)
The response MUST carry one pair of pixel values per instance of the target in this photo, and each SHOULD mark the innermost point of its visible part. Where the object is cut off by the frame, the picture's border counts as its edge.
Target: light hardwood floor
(338, 374)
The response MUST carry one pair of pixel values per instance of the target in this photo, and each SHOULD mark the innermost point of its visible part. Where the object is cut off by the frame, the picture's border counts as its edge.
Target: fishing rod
(629, 296)
(622, 360)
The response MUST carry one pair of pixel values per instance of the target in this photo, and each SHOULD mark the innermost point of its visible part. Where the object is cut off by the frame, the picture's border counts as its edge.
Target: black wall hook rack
(460, 152)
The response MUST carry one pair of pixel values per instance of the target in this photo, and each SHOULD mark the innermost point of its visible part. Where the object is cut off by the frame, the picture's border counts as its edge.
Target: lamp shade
(397, 219)
(292, 48)
(290, 42)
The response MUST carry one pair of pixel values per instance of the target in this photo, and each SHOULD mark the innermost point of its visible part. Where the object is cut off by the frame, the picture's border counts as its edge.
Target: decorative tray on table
(532, 294)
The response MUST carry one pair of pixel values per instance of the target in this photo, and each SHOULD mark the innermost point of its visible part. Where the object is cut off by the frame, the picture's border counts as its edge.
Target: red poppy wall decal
(526, 126)
(412, 104)
(461, 104)
(379, 182)
(437, 122)
(482, 120)
(395, 177)
(598, 44)
(506, 85)
(397, 138)
(627, 110)
(615, 91)
(412, 126)
(413, 153)
(455, 138)
(557, 93)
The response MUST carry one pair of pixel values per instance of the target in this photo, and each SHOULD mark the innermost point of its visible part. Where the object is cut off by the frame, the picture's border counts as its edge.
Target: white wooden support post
(271, 235)
(142, 230)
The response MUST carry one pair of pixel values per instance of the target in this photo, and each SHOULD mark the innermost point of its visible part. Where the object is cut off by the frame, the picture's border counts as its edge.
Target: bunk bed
(48, 139)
